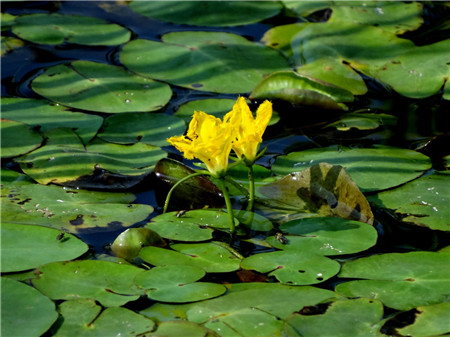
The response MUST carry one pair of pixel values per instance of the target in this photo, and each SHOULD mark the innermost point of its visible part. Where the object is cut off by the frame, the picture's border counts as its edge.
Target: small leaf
(128, 244)
(176, 283)
(18, 138)
(25, 311)
(26, 247)
(100, 87)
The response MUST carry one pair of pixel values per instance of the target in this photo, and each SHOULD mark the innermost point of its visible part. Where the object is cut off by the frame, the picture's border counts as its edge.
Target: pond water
(352, 190)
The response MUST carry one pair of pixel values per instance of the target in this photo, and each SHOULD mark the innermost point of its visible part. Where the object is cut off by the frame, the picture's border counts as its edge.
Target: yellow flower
(208, 139)
(248, 131)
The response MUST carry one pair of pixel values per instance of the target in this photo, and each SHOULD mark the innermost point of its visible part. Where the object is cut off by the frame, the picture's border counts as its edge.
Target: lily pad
(301, 90)
(190, 329)
(129, 128)
(128, 244)
(372, 169)
(293, 267)
(47, 116)
(56, 28)
(100, 87)
(18, 138)
(213, 257)
(208, 13)
(65, 160)
(37, 312)
(357, 318)
(211, 61)
(109, 283)
(322, 189)
(325, 236)
(177, 283)
(363, 121)
(76, 210)
(400, 280)
(217, 107)
(431, 320)
(26, 247)
(9, 43)
(83, 317)
(248, 309)
(423, 202)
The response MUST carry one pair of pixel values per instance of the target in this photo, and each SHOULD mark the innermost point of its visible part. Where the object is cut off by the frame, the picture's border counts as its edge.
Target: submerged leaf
(324, 189)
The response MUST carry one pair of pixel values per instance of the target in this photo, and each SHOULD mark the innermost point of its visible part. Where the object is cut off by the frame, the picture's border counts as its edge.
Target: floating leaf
(109, 283)
(357, 318)
(372, 169)
(190, 329)
(83, 317)
(208, 13)
(248, 309)
(363, 121)
(56, 28)
(100, 87)
(211, 61)
(431, 320)
(7, 21)
(176, 283)
(325, 236)
(78, 211)
(18, 138)
(293, 267)
(212, 257)
(196, 192)
(128, 244)
(400, 280)
(301, 90)
(65, 160)
(423, 202)
(129, 128)
(47, 116)
(9, 43)
(26, 247)
(420, 72)
(25, 311)
(323, 189)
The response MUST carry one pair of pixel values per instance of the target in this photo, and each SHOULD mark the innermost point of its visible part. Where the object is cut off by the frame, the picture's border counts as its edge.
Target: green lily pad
(301, 90)
(217, 107)
(363, 121)
(431, 320)
(18, 138)
(392, 16)
(322, 189)
(292, 267)
(83, 317)
(400, 280)
(129, 128)
(76, 210)
(25, 311)
(109, 283)
(372, 169)
(421, 72)
(128, 244)
(248, 309)
(207, 61)
(7, 21)
(357, 318)
(26, 247)
(423, 202)
(177, 283)
(56, 28)
(100, 87)
(208, 13)
(47, 116)
(190, 329)
(65, 160)
(213, 257)
(325, 236)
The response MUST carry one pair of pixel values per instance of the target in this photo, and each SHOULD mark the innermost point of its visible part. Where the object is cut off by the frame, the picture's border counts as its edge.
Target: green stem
(166, 203)
(251, 189)
(226, 196)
